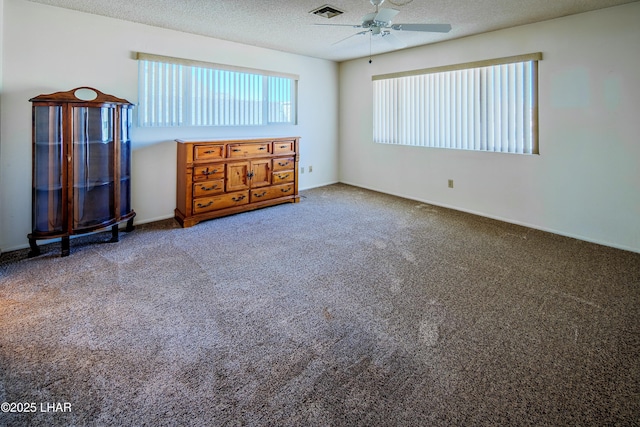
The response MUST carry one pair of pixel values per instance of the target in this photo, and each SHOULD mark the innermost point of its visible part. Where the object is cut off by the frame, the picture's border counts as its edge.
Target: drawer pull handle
(283, 177)
(209, 151)
(262, 148)
(237, 199)
(259, 195)
(283, 164)
(208, 172)
(235, 150)
(285, 190)
(200, 205)
(215, 187)
(284, 146)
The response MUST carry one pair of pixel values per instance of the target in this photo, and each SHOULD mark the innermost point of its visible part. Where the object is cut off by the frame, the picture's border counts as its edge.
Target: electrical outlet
(301, 169)
(310, 169)
(450, 183)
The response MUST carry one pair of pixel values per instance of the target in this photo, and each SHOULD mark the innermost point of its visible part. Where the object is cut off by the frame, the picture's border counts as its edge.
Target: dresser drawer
(283, 147)
(271, 192)
(208, 188)
(209, 172)
(206, 204)
(208, 152)
(282, 177)
(285, 163)
(247, 150)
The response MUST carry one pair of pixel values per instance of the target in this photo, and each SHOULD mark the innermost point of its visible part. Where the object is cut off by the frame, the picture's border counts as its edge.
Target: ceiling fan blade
(368, 19)
(352, 35)
(340, 25)
(429, 28)
(385, 15)
(395, 42)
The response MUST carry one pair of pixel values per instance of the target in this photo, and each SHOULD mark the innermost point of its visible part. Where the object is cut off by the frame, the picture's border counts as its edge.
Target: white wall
(49, 49)
(586, 181)
(1, 91)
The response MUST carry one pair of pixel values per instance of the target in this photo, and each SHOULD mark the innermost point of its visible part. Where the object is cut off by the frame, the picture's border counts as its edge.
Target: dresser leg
(129, 228)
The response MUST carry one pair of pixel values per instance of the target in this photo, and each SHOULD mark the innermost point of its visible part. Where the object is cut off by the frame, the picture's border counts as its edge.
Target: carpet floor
(351, 308)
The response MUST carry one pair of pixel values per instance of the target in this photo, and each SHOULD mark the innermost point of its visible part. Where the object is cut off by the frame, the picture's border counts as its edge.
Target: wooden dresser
(218, 177)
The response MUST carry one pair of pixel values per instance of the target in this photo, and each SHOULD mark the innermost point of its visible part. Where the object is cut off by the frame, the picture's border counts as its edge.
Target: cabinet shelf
(93, 142)
(52, 187)
(81, 166)
(48, 143)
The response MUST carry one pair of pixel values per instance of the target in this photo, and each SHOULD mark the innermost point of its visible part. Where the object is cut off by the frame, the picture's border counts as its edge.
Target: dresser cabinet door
(260, 173)
(238, 176)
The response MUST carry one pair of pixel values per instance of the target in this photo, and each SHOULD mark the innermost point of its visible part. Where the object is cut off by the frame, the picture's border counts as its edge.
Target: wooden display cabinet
(81, 165)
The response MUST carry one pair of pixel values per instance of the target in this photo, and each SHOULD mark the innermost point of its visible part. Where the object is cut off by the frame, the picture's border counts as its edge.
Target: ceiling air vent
(327, 11)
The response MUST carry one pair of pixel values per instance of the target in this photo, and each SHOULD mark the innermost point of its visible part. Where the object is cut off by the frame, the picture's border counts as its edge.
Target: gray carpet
(349, 308)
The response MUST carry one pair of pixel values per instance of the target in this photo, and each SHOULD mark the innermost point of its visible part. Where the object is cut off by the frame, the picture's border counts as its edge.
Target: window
(178, 92)
(482, 106)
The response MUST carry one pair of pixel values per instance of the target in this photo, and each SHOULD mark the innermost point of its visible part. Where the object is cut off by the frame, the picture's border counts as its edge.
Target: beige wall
(49, 49)
(586, 181)
(1, 90)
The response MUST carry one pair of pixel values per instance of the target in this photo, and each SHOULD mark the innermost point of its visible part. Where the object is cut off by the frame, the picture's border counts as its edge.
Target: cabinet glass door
(125, 161)
(47, 169)
(93, 174)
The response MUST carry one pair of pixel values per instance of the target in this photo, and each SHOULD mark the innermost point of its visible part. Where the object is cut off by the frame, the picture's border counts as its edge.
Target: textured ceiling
(288, 25)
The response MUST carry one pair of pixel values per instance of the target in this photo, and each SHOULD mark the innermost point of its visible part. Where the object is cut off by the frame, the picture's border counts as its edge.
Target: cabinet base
(65, 249)
(189, 221)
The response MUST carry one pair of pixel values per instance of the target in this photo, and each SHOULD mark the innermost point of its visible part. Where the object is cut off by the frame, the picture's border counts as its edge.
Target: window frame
(184, 79)
(419, 104)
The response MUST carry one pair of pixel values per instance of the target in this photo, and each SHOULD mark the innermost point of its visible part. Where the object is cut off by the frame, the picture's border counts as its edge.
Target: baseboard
(319, 185)
(155, 219)
(507, 220)
(430, 202)
(102, 230)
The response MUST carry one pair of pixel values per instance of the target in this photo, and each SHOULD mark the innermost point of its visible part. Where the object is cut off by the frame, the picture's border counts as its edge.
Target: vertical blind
(225, 98)
(280, 100)
(160, 94)
(483, 107)
(177, 92)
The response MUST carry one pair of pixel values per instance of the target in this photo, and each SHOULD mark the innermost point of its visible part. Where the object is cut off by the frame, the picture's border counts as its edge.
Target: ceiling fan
(379, 24)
